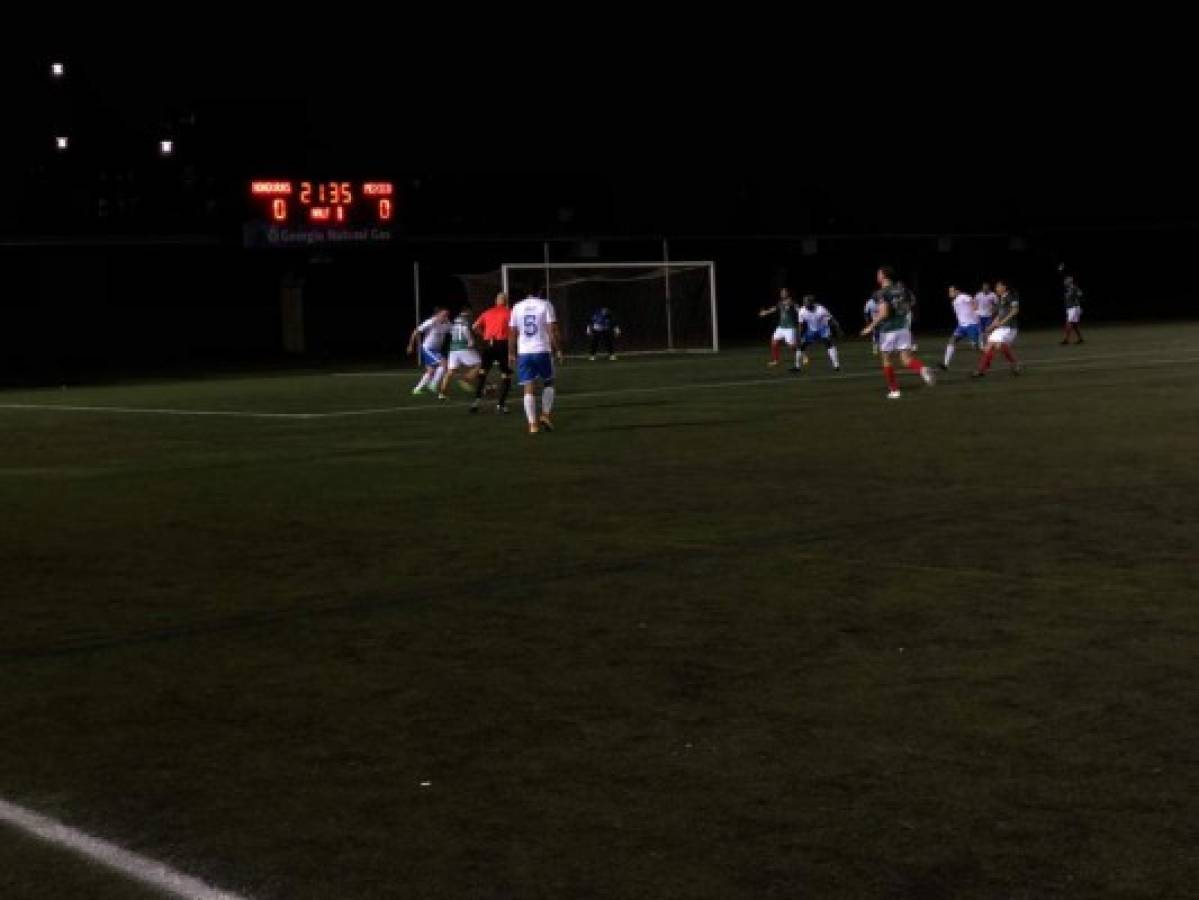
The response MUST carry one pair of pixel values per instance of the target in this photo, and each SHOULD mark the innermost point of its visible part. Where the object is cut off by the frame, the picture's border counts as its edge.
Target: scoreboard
(288, 212)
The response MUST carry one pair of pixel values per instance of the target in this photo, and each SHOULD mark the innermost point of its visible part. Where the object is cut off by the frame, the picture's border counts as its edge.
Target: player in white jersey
(432, 334)
(985, 300)
(817, 324)
(868, 311)
(533, 343)
(966, 310)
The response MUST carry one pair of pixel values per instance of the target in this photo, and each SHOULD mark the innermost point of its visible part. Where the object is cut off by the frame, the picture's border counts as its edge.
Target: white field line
(1070, 364)
(131, 865)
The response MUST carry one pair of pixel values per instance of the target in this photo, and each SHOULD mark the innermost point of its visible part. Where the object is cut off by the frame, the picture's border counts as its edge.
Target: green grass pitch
(726, 633)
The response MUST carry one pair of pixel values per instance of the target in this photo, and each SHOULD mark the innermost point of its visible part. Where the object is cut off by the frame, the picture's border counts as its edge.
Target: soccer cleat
(892, 395)
(442, 397)
(773, 362)
(533, 429)
(416, 392)
(927, 374)
(474, 407)
(501, 409)
(836, 368)
(1017, 369)
(545, 423)
(592, 358)
(977, 374)
(943, 367)
(795, 369)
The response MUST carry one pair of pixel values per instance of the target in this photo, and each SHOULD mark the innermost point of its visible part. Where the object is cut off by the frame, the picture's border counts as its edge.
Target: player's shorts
(786, 335)
(464, 359)
(972, 333)
(812, 336)
(1003, 335)
(1073, 314)
(533, 366)
(984, 322)
(899, 339)
(495, 353)
(430, 357)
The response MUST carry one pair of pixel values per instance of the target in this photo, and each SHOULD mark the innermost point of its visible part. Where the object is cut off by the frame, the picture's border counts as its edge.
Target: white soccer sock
(547, 399)
(949, 348)
(424, 379)
(437, 376)
(798, 358)
(531, 409)
(834, 356)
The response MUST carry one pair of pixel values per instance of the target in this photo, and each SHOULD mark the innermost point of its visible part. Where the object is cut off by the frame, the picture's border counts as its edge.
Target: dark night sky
(639, 127)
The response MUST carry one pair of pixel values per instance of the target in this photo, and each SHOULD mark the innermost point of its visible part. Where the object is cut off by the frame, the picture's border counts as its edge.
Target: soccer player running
(818, 324)
(1072, 298)
(787, 330)
(533, 343)
(868, 311)
(464, 358)
(966, 310)
(492, 329)
(891, 320)
(985, 299)
(431, 333)
(602, 329)
(1002, 332)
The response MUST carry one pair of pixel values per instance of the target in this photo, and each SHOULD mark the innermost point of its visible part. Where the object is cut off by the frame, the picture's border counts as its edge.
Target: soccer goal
(659, 306)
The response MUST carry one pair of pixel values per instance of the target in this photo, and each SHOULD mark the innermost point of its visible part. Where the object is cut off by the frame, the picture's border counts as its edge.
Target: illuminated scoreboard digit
(323, 211)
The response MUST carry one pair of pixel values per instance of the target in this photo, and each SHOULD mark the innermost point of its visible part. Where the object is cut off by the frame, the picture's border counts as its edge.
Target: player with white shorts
(868, 311)
(533, 343)
(1072, 298)
(464, 358)
(892, 320)
(1002, 333)
(966, 311)
(985, 299)
(432, 334)
(787, 331)
(817, 324)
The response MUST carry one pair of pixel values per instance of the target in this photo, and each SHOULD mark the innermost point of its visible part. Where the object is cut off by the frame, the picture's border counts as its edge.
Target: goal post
(660, 307)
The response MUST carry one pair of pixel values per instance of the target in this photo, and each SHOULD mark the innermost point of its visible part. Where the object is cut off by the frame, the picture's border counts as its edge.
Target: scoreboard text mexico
(296, 213)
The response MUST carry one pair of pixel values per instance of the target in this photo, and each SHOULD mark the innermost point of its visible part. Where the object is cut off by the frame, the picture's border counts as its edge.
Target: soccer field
(727, 632)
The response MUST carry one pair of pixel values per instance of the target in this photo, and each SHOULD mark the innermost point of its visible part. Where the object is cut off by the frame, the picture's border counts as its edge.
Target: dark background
(1022, 145)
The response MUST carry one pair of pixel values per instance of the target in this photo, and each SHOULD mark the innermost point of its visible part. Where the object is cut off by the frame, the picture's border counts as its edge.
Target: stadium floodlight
(61, 142)
(57, 70)
(166, 148)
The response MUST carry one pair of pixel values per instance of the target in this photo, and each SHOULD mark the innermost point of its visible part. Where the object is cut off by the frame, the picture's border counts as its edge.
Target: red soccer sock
(1008, 354)
(774, 352)
(916, 365)
(889, 374)
(986, 361)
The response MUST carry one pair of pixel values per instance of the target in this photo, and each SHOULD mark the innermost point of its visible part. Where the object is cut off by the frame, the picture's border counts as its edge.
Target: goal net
(658, 306)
